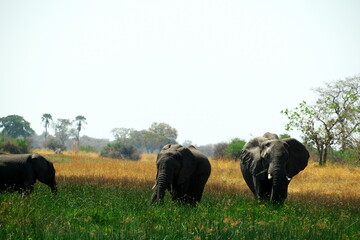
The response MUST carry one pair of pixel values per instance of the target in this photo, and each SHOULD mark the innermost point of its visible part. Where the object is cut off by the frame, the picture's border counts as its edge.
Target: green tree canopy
(14, 126)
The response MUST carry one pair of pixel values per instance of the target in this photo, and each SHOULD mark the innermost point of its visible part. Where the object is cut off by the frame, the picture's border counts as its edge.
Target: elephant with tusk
(268, 165)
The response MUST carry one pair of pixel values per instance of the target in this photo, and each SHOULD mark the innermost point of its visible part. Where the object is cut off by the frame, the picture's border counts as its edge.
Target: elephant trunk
(162, 183)
(53, 187)
(279, 185)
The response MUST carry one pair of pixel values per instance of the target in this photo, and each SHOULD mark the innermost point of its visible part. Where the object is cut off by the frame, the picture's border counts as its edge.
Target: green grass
(109, 212)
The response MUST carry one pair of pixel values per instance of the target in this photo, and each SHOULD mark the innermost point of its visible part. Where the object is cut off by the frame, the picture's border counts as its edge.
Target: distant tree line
(64, 129)
(330, 128)
(16, 132)
(130, 143)
(148, 140)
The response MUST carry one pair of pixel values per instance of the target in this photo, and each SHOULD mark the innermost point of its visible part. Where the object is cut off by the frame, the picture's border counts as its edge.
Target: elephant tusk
(154, 186)
(269, 176)
(288, 178)
(261, 172)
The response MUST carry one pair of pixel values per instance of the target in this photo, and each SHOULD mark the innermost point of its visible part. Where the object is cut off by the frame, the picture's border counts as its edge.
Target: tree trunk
(320, 155)
(325, 155)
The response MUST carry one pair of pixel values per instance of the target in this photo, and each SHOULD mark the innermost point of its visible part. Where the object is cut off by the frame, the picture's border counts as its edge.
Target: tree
(80, 120)
(122, 134)
(342, 99)
(14, 126)
(158, 135)
(317, 130)
(333, 119)
(46, 118)
(164, 130)
(62, 131)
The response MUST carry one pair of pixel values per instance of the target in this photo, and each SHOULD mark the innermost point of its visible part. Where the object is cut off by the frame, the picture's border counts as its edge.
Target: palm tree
(46, 118)
(80, 120)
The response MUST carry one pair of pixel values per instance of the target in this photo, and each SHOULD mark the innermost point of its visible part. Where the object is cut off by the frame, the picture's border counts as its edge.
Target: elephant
(19, 172)
(268, 164)
(183, 171)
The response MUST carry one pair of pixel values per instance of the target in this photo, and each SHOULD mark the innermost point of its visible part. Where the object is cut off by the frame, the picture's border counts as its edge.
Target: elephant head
(268, 164)
(44, 171)
(175, 166)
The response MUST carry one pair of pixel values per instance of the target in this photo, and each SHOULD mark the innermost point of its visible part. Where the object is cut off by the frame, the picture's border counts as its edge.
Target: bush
(15, 146)
(120, 151)
(87, 149)
(349, 156)
(220, 151)
(54, 144)
(234, 148)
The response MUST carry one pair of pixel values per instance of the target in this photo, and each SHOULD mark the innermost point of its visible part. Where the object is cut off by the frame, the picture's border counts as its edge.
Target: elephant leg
(196, 189)
(282, 194)
(28, 187)
(263, 189)
(175, 192)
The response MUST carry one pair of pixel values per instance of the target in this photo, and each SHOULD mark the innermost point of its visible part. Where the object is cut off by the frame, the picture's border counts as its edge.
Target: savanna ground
(102, 198)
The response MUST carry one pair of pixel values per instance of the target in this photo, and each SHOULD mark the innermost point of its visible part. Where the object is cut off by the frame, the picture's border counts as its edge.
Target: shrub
(349, 156)
(15, 146)
(220, 151)
(120, 151)
(234, 148)
(54, 144)
(87, 149)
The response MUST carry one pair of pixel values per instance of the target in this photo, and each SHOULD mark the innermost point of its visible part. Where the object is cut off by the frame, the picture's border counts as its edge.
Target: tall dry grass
(338, 185)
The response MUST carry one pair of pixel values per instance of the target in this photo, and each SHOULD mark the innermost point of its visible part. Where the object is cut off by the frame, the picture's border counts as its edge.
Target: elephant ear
(298, 157)
(187, 161)
(250, 157)
(40, 165)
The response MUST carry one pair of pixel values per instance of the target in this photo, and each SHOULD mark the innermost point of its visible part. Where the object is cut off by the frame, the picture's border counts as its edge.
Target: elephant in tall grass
(19, 172)
(268, 165)
(183, 171)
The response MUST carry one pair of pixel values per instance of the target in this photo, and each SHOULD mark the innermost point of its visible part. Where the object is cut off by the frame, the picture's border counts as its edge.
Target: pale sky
(214, 70)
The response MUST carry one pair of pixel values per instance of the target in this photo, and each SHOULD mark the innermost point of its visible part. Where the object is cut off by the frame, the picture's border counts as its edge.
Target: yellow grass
(329, 185)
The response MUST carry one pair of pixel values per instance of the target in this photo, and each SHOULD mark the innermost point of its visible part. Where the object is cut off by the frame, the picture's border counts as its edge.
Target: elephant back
(170, 147)
(19, 158)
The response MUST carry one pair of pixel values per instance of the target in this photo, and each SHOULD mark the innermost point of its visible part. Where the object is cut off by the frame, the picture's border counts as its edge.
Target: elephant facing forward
(19, 172)
(183, 171)
(268, 164)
